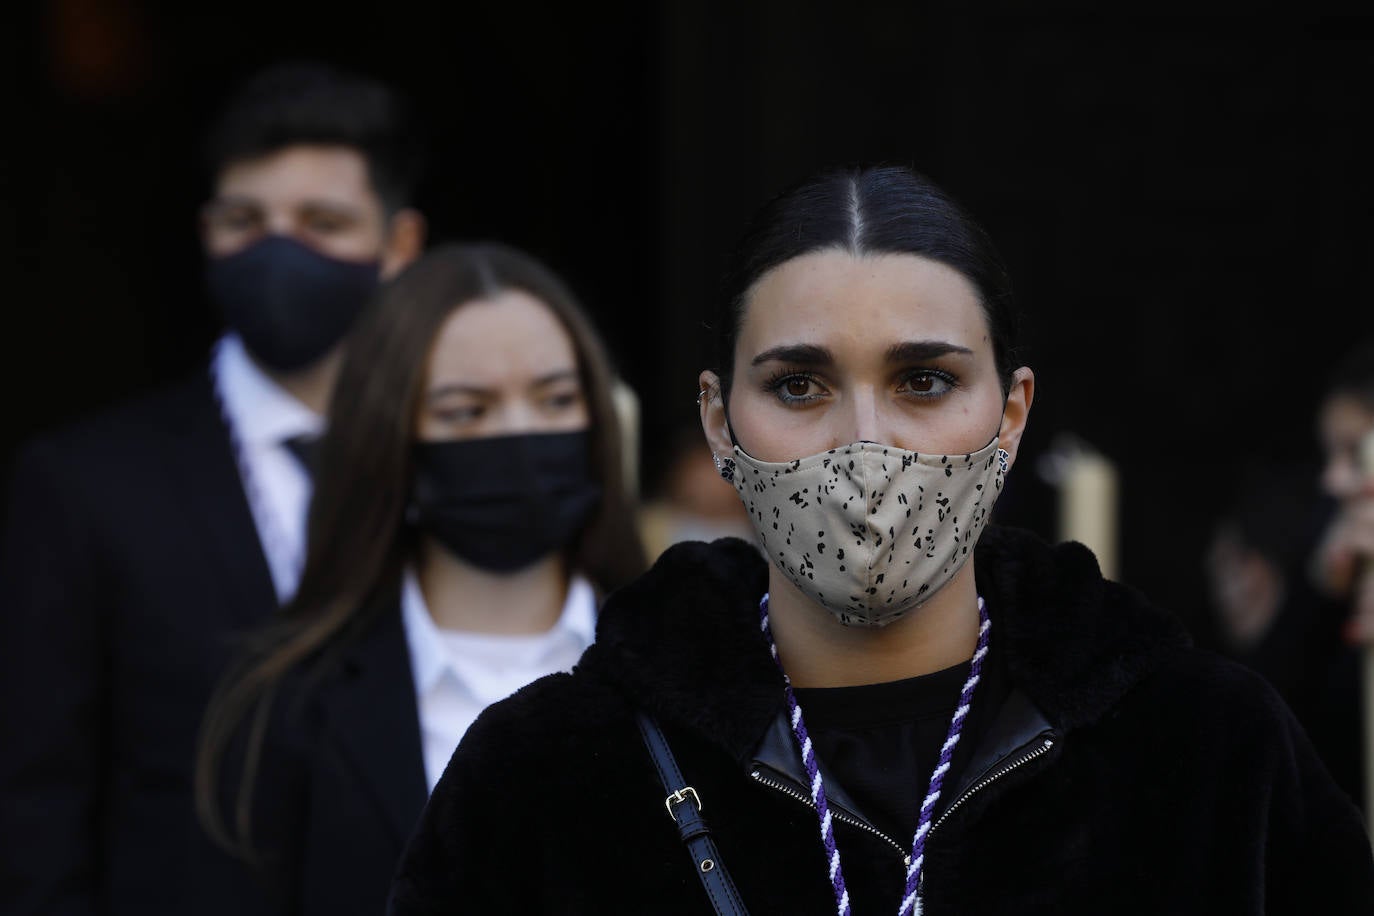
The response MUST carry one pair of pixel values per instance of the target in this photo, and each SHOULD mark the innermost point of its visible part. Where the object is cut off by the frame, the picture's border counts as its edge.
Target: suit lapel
(371, 712)
(203, 465)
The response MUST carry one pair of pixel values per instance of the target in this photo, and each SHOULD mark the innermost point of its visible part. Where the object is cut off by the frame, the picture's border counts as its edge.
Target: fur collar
(684, 639)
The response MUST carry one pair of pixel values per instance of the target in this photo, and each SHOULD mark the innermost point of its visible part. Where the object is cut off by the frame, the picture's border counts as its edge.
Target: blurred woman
(469, 513)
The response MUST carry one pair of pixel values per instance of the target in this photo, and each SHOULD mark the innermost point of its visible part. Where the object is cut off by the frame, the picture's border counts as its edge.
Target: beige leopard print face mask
(870, 531)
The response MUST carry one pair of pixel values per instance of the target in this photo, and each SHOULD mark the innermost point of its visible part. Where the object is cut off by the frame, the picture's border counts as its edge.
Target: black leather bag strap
(684, 806)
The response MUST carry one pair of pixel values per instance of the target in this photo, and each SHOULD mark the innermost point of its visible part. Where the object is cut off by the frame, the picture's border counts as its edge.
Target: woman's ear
(1016, 412)
(713, 423)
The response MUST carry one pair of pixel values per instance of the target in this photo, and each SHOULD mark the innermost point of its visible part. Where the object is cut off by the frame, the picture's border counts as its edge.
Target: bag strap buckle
(679, 797)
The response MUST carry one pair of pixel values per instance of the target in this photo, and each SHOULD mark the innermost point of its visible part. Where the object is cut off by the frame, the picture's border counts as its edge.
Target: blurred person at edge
(469, 514)
(139, 540)
(1341, 569)
(1265, 612)
(1345, 420)
(691, 502)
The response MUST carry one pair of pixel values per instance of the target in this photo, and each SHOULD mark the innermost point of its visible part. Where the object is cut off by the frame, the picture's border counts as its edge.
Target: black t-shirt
(881, 741)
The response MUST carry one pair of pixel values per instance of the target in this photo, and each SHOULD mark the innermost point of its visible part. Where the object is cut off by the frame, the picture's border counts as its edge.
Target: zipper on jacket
(834, 814)
(1044, 748)
(1045, 745)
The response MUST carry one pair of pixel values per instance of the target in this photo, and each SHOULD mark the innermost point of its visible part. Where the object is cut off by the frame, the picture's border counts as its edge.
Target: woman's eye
(466, 414)
(927, 384)
(564, 400)
(795, 389)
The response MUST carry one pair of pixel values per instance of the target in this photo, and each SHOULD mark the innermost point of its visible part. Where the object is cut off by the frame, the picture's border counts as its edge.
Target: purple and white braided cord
(911, 902)
(813, 772)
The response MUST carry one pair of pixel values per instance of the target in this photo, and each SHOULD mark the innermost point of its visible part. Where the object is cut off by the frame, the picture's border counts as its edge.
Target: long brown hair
(357, 539)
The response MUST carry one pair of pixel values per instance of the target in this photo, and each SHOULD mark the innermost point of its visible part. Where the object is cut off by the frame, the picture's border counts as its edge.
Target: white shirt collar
(428, 658)
(262, 411)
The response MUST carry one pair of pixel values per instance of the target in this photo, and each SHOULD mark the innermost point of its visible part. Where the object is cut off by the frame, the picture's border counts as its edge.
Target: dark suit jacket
(129, 559)
(340, 786)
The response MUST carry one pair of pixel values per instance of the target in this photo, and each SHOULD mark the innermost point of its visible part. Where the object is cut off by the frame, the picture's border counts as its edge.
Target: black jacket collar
(1074, 643)
(1017, 728)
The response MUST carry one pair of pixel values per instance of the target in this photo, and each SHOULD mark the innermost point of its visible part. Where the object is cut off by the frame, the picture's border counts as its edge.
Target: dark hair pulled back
(868, 210)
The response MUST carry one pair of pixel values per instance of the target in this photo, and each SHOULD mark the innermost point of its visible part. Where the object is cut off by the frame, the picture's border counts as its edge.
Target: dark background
(1183, 196)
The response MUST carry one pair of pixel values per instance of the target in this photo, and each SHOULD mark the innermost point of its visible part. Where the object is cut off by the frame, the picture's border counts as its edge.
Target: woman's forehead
(834, 296)
(508, 333)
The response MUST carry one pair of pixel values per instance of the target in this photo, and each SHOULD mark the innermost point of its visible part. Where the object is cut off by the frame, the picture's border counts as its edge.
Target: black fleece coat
(1146, 776)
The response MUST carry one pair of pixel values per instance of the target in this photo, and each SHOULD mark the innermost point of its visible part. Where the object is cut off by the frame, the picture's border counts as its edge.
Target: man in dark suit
(139, 542)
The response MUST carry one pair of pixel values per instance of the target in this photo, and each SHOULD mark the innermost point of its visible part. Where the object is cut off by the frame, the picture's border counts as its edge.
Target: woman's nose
(517, 416)
(866, 421)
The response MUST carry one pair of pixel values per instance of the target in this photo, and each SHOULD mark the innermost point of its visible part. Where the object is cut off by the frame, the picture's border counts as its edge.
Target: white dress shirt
(262, 416)
(458, 674)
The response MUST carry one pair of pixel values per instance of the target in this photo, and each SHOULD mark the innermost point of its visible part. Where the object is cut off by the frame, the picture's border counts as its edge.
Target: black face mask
(504, 502)
(288, 302)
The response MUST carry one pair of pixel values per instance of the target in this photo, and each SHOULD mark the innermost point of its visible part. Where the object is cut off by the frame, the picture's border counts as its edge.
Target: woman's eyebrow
(804, 354)
(448, 388)
(557, 375)
(917, 350)
(455, 388)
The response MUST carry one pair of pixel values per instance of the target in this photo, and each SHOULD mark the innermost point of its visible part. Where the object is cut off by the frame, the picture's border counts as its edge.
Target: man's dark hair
(308, 102)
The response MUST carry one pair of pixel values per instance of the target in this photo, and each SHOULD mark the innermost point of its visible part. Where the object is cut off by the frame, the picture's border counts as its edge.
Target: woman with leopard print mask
(897, 708)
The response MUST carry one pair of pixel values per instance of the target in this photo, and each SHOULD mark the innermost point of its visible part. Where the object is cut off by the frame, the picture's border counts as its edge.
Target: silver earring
(701, 394)
(725, 467)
